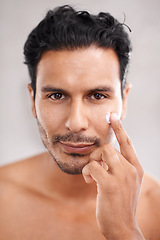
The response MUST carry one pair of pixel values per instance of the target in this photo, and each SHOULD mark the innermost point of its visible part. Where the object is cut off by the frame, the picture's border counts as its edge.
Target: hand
(118, 178)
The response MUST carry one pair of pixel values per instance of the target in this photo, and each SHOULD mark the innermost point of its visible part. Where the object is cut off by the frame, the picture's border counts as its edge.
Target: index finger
(126, 147)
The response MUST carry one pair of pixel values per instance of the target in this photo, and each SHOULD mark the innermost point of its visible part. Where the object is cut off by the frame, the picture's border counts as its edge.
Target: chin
(69, 169)
(74, 163)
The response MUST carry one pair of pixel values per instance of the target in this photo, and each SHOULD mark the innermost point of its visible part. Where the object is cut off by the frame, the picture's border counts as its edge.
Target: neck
(65, 185)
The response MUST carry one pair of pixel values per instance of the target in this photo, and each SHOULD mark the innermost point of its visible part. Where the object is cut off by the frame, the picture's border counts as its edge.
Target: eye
(57, 96)
(97, 96)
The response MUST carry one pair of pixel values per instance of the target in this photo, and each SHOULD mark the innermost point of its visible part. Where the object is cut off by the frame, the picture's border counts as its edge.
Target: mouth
(79, 148)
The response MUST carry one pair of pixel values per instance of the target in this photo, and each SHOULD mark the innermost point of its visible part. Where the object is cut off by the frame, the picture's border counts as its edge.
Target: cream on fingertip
(108, 114)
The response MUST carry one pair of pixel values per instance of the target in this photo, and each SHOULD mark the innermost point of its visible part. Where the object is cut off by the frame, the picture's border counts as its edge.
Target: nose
(77, 120)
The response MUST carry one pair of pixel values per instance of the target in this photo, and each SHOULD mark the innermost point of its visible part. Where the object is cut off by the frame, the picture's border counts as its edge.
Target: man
(81, 188)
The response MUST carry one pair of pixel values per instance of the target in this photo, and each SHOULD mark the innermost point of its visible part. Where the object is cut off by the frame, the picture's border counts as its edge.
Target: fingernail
(115, 116)
(108, 114)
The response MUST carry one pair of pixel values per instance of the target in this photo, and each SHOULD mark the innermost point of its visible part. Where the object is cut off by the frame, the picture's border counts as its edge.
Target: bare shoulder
(151, 196)
(18, 173)
(149, 207)
(151, 188)
(14, 169)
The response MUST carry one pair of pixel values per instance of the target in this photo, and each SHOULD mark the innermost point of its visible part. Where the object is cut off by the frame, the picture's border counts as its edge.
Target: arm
(118, 179)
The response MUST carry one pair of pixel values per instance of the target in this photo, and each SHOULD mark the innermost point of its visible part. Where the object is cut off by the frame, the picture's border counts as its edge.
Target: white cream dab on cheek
(108, 114)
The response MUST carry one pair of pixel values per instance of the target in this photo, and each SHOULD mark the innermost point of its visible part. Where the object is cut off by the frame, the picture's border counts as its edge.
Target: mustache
(75, 138)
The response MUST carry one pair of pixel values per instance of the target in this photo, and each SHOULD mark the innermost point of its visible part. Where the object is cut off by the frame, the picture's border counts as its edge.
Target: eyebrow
(102, 89)
(98, 89)
(51, 89)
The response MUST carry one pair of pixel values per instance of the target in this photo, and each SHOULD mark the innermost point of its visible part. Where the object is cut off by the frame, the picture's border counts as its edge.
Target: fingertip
(116, 124)
(88, 179)
(114, 117)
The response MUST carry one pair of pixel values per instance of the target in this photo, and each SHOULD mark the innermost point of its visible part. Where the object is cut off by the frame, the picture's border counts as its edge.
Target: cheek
(98, 120)
(101, 127)
(50, 118)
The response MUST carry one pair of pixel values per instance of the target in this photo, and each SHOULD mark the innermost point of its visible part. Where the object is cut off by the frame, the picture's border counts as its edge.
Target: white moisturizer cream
(108, 114)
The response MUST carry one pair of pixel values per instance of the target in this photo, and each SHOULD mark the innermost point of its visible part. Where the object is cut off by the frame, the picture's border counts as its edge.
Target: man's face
(74, 91)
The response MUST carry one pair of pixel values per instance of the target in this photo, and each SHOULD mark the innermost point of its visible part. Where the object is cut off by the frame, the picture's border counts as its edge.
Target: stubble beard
(76, 161)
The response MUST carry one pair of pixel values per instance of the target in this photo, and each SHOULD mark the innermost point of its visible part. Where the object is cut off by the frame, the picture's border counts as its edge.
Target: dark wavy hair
(66, 28)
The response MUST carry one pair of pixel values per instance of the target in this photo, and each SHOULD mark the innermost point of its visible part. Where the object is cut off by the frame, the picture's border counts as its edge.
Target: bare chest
(37, 218)
(46, 220)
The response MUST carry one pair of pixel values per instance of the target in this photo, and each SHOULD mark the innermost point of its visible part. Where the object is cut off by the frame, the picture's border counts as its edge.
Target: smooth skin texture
(75, 90)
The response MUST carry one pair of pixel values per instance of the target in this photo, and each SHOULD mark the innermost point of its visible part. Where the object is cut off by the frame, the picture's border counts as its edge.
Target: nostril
(77, 123)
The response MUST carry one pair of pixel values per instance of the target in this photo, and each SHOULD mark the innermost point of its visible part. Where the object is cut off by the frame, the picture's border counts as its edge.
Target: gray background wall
(19, 137)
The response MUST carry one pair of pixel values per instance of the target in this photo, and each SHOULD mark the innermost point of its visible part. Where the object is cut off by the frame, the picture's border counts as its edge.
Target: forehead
(81, 67)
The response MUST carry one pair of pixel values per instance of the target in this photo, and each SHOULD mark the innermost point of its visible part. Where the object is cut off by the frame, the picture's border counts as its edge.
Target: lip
(79, 148)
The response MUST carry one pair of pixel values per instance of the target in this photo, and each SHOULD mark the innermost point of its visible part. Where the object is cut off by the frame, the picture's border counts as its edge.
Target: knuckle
(118, 126)
(93, 165)
(128, 141)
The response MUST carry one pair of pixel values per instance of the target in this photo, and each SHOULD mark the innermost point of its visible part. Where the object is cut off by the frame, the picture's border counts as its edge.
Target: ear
(125, 98)
(31, 92)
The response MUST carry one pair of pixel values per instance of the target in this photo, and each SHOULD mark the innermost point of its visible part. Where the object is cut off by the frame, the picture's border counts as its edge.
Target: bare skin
(43, 200)
(33, 208)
